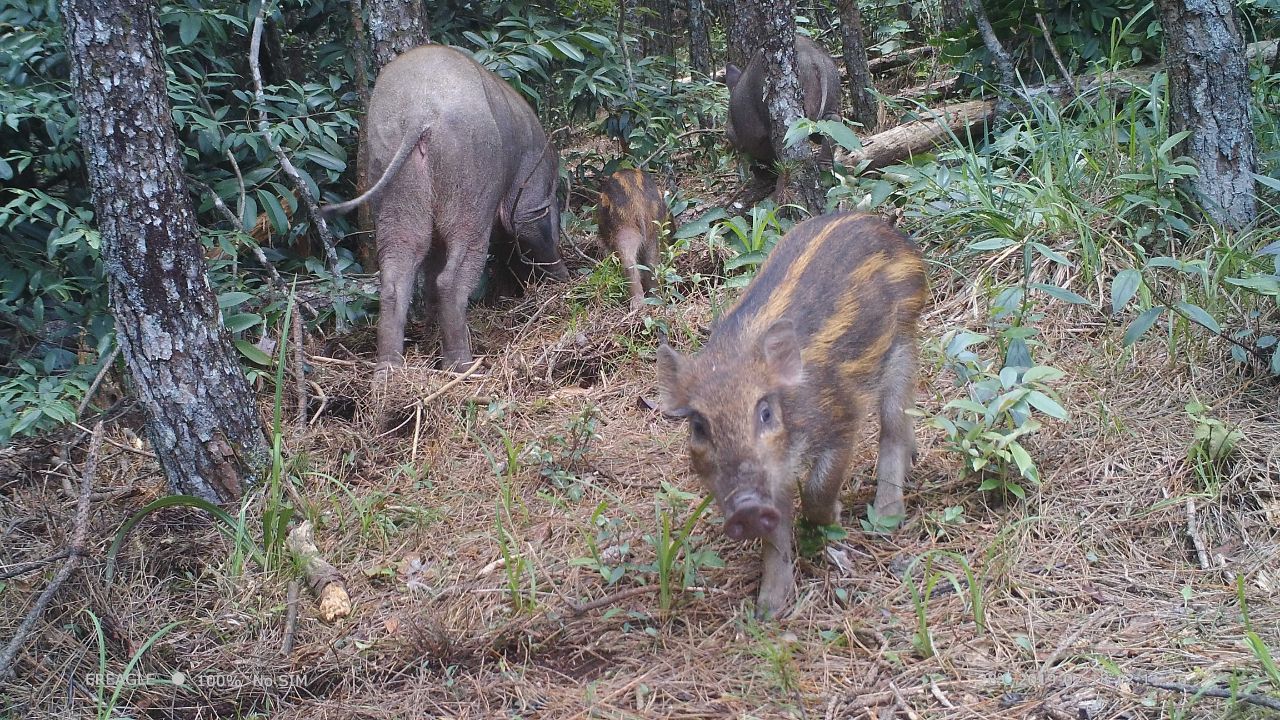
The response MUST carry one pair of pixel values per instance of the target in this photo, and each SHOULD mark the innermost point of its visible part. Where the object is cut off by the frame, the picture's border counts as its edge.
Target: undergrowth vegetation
(1062, 256)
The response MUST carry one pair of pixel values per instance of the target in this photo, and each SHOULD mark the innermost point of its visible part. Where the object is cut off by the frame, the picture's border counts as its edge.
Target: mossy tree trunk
(798, 168)
(1209, 95)
(201, 415)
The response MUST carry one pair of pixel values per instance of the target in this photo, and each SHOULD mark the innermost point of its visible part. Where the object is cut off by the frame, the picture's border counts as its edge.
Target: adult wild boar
(632, 215)
(826, 330)
(748, 124)
(461, 160)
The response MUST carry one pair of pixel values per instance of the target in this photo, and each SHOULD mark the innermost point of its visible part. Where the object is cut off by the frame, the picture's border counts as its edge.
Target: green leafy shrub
(985, 425)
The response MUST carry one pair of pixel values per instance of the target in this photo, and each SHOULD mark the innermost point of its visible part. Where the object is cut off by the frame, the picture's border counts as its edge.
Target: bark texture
(201, 416)
(782, 96)
(862, 104)
(1209, 95)
(742, 31)
(953, 15)
(699, 38)
(393, 27)
(1003, 61)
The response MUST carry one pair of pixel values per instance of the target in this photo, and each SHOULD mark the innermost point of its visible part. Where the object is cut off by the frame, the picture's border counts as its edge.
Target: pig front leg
(777, 577)
(820, 494)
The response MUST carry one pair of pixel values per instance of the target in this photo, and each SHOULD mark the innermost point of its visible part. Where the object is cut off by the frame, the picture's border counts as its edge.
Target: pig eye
(764, 411)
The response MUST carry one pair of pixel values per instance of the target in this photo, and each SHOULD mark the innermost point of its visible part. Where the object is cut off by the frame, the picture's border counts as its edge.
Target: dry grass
(1096, 570)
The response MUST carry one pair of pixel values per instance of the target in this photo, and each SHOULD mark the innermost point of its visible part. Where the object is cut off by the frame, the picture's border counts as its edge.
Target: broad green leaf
(1273, 183)
(325, 160)
(1046, 405)
(992, 244)
(1041, 373)
(232, 299)
(275, 213)
(241, 321)
(1052, 254)
(6, 170)
(1123, 288)
(254, 355)
(1173, 140)
(701, 225)
(1263, 284)
(1199, 315)
(841, 133)
(1141, 325)
(189, 28)
(1060, 293)
(968, 405)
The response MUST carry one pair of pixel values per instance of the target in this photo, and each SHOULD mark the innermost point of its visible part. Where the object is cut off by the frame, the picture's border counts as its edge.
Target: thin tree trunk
(1209, 95)
(201, 416)
(699, 38)
(863, 103)
(395, 26)
(784, 101)
(1001, 57)
(741, 25)
(953, 14)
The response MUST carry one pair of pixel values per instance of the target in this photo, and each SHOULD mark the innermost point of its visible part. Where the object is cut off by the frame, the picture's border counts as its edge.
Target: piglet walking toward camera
(631, 215)
(774, 398)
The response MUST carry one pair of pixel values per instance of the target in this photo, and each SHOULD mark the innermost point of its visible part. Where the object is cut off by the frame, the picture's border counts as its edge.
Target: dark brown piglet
(632, 215)
(774, 398)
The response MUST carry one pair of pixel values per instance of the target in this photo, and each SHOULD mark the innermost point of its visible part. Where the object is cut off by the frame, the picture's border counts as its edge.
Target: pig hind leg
(897, 434)
(401, 250)
(465, 257)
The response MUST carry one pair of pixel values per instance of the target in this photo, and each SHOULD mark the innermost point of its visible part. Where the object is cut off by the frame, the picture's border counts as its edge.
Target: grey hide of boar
(748, 124)
(461, 161)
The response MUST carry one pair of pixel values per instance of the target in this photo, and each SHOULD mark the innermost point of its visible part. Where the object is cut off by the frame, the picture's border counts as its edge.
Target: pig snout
(751, 518)
(558, 271)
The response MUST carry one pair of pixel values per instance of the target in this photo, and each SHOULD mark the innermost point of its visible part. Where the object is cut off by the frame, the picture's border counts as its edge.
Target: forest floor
(473, 529)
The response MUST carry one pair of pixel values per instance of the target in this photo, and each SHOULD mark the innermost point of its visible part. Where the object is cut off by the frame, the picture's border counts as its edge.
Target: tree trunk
(657, 38)
(1209, 95)
(201, 416)
(699, 38)
(395, 26)
(953, 15)
(798, 169)
(1003, 61)
(863, 104)
(741, 25)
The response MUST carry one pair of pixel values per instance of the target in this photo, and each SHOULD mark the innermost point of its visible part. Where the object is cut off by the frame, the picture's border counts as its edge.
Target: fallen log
(970, 118)
(898, 59)
(326, 583)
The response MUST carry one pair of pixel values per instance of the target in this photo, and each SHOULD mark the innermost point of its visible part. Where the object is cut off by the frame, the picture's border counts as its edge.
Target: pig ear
(780, 349)
(672, 398)
(731, 75)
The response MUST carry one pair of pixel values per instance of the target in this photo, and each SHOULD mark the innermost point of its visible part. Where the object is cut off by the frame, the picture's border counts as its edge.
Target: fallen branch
(898, 59)
(25, 567)
(611, 599)
(326, 583)
(290, 619)
(1265, 701)
(75, 551)
(97, 380)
